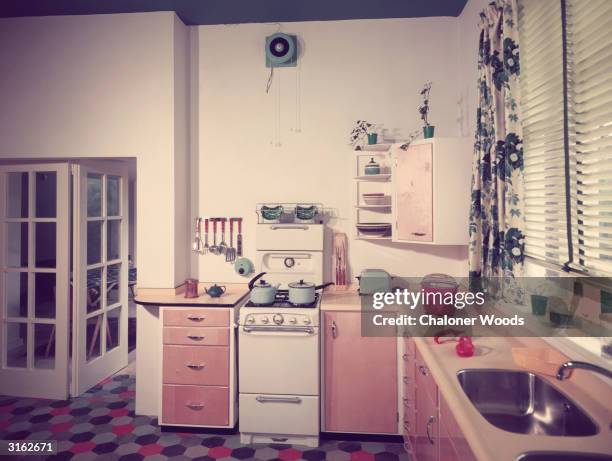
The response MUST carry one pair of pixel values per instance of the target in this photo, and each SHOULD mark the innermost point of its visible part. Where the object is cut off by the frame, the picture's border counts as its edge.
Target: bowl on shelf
(375, 199)
(374, 229)
(305, 213)
(272, 213)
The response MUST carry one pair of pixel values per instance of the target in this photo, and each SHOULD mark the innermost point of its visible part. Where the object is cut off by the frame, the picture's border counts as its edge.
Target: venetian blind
(589, 53)
(541, 81)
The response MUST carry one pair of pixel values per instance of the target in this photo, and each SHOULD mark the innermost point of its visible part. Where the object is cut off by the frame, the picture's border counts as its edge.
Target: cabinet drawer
(460, 444)
(424, 379)
(191, 336)
(196, 365)
(196, 317)
(195, 405)
(279, 414)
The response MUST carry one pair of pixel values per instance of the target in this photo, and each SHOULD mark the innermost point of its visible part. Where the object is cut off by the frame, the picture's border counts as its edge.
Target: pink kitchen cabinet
(360, 378)
(437, 436)
(426, 447)
(431, 191)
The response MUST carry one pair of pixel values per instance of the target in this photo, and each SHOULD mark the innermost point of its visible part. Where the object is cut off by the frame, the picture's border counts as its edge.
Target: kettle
(215, 291)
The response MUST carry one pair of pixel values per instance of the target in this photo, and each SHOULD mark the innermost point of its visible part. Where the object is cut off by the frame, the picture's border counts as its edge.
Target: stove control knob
(265, 320)
(250, 320)
(293, 320)
(278, 319)
(306, 321)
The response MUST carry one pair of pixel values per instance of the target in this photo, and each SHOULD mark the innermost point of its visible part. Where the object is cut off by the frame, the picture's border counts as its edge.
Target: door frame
(32, 382)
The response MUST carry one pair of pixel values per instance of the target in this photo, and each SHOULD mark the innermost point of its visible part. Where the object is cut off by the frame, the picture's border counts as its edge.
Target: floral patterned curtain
(496, 214)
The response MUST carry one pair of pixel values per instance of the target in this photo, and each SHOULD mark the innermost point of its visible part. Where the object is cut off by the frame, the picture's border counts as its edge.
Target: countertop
(234, 293)
(341, 298)
(489, 442)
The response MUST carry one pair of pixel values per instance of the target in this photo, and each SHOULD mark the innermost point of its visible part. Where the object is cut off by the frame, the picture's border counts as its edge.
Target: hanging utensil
(196, 240)
(206, 247)
(230, 254)
(214, 249)
(222, 248)
(239, 238)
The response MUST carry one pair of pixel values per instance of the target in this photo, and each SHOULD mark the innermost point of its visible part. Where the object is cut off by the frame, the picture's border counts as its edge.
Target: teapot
(215, 291)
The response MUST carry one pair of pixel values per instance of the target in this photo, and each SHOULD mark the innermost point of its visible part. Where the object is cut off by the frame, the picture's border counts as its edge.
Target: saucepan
(262, 292)
(303, 293)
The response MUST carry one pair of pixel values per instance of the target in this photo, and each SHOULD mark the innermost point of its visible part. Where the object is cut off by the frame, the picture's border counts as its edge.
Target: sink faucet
(561, 373)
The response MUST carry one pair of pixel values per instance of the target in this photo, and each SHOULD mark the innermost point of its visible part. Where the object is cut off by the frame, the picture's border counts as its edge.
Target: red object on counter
(465, 347)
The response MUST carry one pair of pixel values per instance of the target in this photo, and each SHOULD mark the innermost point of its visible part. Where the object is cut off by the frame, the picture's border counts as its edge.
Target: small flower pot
(428, 131)
(372, 138)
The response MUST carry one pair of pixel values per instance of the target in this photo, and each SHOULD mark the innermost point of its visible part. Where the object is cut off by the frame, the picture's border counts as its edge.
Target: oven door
(278, 360)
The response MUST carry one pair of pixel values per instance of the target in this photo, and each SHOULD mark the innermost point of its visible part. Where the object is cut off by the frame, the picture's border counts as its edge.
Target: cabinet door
(360, 377)
(427, 441)
(413, 182)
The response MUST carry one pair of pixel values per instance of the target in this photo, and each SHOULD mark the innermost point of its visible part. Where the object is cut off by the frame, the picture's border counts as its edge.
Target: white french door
(100, 258)
(34, 280)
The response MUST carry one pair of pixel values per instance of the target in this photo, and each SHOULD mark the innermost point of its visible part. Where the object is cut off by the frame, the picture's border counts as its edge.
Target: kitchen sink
(523, 403)
(563, 456)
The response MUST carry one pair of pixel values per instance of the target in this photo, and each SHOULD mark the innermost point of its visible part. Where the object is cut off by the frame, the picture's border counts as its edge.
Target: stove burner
(282, 300)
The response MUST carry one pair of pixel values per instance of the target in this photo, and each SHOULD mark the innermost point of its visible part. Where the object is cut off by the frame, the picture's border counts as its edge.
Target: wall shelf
(374, 177)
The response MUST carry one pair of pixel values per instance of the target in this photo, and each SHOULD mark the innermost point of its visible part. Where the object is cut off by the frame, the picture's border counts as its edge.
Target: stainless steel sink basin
(524, 403)
(563, 456)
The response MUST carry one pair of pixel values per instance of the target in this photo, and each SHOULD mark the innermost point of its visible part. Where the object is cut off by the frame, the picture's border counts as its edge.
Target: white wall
(371, 69)
(102, 86)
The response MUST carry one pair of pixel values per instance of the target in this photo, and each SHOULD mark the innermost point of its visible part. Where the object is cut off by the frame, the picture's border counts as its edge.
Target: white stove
(279, 343)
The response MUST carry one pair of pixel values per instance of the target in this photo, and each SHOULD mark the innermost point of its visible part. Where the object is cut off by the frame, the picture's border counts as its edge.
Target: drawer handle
(405, 379)
(196, 318)
(279, 439)
(196, 337)
(419, 234)
(195, 406)
(430, 421)
(264, 399)
(423, 369)
(195, 366)
(405, 357)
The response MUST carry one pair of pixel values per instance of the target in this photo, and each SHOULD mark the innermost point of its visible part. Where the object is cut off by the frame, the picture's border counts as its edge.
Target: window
(566, 85)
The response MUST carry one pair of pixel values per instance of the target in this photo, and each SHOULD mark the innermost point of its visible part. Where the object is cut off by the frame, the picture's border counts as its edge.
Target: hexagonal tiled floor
(101, 425)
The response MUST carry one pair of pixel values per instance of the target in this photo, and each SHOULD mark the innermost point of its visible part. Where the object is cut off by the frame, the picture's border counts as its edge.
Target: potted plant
(362, 129)
(428, 130)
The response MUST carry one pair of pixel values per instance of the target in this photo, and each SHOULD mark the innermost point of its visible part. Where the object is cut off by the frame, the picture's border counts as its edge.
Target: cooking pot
(303, 293)
(262, 292)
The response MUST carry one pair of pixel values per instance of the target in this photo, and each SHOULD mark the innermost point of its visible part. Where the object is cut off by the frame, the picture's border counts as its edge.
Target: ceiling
(194, 12)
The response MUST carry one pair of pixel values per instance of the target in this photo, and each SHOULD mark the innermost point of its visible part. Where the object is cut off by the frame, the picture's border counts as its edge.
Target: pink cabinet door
(360, 377)
(414, 194)
(426, 446)
(455, 434)
(447, 450)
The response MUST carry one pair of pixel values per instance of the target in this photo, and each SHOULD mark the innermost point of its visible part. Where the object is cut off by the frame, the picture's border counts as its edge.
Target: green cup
(539, 304)
(372, 138)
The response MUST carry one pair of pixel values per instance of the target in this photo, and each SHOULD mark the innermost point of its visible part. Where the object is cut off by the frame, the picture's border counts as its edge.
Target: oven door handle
(276, 329)
(266, 399)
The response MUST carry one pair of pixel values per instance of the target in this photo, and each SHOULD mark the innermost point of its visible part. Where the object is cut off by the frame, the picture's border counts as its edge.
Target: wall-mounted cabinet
(422, 193)
(431, 191)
